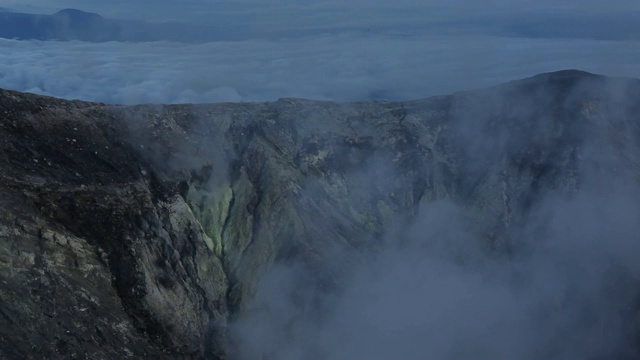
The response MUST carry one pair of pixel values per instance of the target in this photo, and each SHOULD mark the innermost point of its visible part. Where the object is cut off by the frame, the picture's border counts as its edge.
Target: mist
(338, 67)
(565, 293)
(348, 50)
(561, 284)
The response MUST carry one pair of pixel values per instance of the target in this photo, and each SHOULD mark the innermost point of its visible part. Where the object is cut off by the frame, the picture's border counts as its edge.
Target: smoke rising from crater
(563, 284)
(567, 294)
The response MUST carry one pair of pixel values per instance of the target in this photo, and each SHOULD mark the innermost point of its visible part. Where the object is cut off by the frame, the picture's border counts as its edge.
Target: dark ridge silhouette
(73, 24)
(77, 16)
(68, 24)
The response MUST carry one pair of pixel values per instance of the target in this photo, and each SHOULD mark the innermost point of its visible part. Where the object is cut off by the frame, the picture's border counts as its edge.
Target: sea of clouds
(346, 66)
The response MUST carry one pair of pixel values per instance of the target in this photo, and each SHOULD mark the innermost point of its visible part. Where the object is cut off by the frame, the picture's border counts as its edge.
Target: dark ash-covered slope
(142, 231)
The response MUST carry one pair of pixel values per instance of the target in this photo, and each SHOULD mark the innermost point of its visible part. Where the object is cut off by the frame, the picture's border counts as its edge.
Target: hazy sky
(369, 10)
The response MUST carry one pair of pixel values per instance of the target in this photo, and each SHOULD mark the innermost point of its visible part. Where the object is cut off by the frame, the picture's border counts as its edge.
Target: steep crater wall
(143, 231)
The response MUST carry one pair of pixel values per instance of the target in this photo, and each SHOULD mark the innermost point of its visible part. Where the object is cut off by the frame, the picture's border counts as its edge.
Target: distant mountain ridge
(78, 16)
(74, 24)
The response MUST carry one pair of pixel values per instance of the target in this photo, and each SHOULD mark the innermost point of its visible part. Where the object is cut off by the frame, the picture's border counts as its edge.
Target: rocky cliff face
(141, 232)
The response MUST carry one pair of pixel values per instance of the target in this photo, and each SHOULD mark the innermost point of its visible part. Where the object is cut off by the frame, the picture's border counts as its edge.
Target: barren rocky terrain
(143, 231)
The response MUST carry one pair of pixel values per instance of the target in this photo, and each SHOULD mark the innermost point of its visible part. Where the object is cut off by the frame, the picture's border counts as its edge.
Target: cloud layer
(566, 297)
(340, 67)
